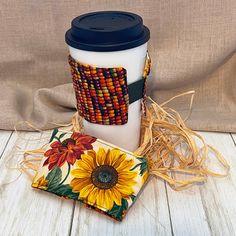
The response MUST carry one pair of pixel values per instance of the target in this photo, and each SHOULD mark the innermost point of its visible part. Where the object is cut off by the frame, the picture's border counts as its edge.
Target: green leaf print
(118, 211)
(54, 178)
(54, 133)
(142, 165)
(65, 190)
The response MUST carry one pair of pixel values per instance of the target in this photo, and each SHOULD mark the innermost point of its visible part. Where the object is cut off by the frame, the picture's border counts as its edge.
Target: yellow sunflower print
(104, 177)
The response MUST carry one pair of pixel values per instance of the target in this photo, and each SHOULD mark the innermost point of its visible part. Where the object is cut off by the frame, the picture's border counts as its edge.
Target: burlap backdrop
(192, 47)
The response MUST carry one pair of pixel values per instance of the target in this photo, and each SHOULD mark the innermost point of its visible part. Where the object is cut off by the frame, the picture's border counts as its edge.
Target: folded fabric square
(102, 176)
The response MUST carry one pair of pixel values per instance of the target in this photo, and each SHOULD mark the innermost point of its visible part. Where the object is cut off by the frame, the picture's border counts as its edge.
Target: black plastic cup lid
(105, 31)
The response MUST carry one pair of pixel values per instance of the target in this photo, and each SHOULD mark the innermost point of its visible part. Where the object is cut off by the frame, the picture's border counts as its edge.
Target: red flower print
(83, 141)
(68, 150)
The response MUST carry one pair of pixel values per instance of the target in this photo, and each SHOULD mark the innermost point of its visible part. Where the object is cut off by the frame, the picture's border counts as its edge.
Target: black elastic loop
(135, 90)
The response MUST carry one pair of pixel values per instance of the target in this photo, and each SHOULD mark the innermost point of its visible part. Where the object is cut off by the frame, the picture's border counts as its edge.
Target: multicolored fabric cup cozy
(102, 94)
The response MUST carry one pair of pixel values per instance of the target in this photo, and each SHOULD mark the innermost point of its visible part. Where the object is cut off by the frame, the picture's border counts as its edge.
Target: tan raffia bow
(168, 144)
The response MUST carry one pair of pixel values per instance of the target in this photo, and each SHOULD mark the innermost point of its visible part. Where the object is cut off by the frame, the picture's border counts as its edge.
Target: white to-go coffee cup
(111, 39)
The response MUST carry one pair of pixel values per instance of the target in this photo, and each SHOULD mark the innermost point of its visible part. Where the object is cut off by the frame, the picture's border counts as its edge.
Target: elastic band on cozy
(136, 90)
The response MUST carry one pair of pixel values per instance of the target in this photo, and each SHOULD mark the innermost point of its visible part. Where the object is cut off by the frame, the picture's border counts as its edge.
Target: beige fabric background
(192, 46)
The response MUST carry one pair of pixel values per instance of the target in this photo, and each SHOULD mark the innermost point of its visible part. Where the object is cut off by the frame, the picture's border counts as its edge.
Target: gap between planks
(87, 222)
(233, 136)
(30, 212)
(208, 209)
(4, 139)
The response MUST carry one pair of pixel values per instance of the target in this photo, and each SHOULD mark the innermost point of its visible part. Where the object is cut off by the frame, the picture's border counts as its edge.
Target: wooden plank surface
(148, 216)
(219, 194)
(208, 209)
(25, 211)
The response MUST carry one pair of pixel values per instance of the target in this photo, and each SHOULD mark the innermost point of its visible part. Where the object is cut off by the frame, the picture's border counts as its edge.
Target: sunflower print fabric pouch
(84, 168)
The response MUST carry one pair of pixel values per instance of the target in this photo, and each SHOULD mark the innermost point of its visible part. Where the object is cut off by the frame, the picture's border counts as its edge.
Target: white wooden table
(208, 209)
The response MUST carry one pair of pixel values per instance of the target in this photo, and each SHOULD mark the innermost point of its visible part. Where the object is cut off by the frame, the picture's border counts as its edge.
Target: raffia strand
(171, 147)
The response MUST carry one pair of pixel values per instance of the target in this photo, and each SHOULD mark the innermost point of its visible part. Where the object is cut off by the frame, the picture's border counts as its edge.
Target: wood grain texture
(25, 211)
(210, 208)
(187, 212)
(148, 216)
(219, 194)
